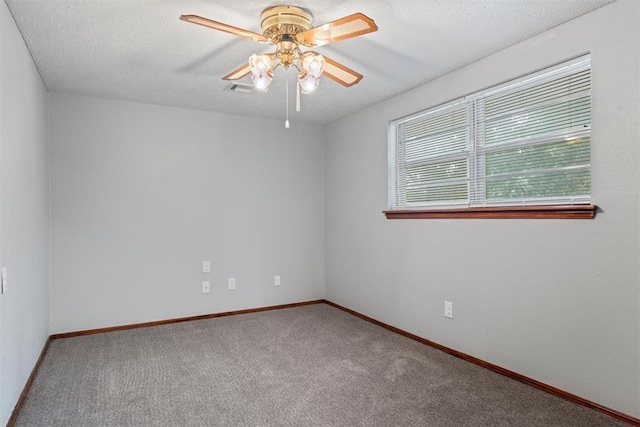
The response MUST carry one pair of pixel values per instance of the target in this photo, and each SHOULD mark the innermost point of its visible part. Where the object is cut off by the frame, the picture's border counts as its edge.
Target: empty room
(323, 213)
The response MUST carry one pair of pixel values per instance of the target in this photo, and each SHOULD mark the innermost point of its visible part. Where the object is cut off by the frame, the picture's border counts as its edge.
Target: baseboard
(181, 319)
(16, 409)
(27, 386)
(500, 370)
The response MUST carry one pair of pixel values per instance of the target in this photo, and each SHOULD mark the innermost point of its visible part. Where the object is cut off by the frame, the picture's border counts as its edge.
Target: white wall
(24, 214)
(142, 194)
(555, 300)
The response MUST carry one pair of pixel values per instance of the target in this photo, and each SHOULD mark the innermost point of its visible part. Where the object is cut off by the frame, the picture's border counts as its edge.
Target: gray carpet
(304, 366)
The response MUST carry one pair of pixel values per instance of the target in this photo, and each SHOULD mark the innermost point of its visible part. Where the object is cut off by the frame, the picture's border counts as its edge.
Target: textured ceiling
(139, 50)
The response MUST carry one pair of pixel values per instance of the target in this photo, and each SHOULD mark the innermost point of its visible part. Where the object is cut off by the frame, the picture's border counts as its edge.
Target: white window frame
(475, 151)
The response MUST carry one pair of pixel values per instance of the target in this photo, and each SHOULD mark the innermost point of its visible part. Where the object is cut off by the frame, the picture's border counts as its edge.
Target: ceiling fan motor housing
(281, 24)
(278, 22)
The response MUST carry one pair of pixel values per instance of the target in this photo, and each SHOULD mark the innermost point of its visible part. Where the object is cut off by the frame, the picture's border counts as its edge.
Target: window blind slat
(547, 156)
(439, 123)
(447, 193)
(534, 122)
(454, 141)
(530, 187)
(437, 171)
(520, 98)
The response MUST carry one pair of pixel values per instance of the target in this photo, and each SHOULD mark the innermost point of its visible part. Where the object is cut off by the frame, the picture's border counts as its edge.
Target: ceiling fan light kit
(261, 72)
(288, 28)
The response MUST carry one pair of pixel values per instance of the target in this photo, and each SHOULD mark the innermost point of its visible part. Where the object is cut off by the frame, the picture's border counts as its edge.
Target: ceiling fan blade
(239, 73)
(341, 29)
(339, 73)
(195, 19)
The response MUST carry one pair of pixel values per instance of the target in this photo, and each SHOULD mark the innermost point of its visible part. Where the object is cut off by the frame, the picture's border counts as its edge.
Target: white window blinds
(526, 142)
(434, 152)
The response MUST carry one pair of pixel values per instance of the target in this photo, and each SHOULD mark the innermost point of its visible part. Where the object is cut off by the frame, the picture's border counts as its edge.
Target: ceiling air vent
(238, 88)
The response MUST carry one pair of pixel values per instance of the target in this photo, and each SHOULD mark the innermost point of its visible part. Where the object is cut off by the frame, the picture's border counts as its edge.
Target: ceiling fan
(289, 28)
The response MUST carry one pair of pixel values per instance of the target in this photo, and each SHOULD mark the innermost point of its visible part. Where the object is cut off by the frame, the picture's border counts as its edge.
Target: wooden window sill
(499, 212)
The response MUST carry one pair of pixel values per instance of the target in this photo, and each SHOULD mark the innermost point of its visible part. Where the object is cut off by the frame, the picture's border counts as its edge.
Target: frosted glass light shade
(259, 64)
(314, 65)
(261, 81)
(308, 83)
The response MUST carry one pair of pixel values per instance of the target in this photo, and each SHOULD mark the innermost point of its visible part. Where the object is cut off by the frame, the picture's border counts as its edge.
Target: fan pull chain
(286, 122)
(298, 97)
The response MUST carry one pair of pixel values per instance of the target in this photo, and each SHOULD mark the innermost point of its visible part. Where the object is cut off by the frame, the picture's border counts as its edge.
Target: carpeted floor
(306, 366)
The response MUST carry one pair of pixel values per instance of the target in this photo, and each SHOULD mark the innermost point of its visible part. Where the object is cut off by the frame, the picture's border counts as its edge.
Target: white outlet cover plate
(206, 266)
(448, 309)
(206, 287)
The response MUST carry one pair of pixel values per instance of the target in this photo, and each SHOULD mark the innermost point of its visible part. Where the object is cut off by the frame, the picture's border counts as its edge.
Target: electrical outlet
(448, 309)
(232, 284)
(206, 286)
(276, 280)
(206, 266)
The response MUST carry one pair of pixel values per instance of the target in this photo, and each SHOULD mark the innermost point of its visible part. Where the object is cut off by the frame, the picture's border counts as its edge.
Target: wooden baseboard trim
(500, 370)
(181, 319)
(16, 409)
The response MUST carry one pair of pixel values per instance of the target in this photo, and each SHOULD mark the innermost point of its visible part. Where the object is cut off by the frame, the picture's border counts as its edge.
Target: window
(521, 144)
